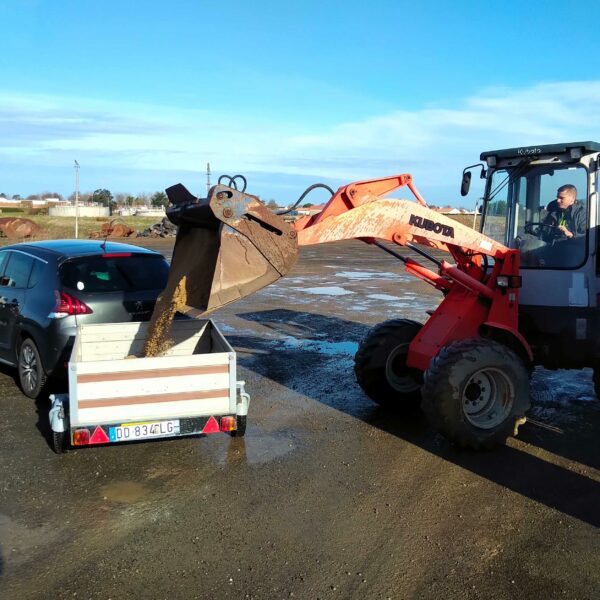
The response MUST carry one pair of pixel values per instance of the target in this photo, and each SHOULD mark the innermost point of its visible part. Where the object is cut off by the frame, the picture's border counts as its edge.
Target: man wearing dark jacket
(565, 214)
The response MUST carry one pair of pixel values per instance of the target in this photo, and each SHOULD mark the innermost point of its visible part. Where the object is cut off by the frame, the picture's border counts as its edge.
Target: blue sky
(144, 94)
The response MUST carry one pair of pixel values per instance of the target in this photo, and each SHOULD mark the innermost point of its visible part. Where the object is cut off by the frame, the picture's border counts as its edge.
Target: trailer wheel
(59, 441)
(380, 364)
(476, 393)
(240, 431)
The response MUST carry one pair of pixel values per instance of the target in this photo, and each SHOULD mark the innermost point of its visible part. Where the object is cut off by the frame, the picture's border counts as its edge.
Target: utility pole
(76, 200)
(207, 178)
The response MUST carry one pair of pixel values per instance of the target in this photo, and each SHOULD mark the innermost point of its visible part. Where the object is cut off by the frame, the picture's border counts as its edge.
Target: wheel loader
(516, 293)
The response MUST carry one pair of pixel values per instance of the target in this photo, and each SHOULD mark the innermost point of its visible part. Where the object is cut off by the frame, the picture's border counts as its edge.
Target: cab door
(13, 287)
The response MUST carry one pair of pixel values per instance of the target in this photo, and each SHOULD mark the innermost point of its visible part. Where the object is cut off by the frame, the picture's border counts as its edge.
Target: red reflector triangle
(99, 436)
(211, 426)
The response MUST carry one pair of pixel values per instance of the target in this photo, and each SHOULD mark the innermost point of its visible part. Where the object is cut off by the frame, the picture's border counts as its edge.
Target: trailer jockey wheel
(240, 431)
(60, 441)
(476, 393)
(380, 365)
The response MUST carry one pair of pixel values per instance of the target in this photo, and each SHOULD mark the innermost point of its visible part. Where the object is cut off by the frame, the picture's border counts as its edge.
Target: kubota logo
(429, 225)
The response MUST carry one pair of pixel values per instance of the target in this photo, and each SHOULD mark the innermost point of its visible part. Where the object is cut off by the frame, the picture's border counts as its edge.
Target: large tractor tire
(380, 365)
(476, 393)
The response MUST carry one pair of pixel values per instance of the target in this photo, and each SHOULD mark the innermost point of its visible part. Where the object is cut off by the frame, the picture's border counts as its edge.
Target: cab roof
(544, 149)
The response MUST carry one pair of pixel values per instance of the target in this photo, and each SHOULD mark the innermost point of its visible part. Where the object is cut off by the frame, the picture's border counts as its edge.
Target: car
(48, 288)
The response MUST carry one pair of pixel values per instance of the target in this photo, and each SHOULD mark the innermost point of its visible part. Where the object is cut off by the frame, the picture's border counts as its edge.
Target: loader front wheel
(380, 365)
(476, 393)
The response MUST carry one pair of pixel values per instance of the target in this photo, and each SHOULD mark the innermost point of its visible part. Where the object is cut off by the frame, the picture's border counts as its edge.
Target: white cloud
(433, 143)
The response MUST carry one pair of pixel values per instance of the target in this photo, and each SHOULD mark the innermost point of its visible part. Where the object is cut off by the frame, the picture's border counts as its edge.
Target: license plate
(143, 431)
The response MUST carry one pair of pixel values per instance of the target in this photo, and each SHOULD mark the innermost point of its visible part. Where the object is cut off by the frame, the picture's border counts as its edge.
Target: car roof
(73, 248)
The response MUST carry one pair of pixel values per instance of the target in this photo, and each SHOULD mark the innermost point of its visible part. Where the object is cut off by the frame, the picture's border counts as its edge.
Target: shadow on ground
(306, 363)
(42, 403)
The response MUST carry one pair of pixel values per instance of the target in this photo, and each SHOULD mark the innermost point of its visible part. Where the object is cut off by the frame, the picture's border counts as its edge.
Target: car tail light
(227, 423)
(81, 437)
(67, 305)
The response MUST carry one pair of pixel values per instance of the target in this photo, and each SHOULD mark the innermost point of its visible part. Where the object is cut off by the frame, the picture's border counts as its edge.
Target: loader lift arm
(478, 301)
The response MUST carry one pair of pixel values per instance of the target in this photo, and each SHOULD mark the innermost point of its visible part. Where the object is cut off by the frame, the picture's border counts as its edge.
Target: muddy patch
(123, 492)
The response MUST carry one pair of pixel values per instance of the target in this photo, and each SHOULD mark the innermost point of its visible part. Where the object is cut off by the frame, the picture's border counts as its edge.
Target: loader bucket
(228, 246)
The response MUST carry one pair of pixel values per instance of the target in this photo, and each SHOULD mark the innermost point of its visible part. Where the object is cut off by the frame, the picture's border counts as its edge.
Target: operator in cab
(566, 216)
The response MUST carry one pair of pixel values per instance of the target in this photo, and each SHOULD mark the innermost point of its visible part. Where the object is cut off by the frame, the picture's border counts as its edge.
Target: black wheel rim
(400, 377)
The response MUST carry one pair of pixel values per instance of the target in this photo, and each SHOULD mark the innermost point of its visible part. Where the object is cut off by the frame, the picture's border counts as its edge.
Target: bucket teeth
(228, 246)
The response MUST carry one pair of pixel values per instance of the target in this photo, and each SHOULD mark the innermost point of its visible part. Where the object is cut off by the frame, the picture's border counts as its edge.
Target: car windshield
(97, 274)
(543, 212)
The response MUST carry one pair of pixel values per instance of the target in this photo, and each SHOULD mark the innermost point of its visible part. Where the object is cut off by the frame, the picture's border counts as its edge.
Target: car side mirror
(466, 183)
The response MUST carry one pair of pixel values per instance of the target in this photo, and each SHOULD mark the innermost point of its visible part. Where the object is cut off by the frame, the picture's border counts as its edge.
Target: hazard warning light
(99, 436)
(211, 426)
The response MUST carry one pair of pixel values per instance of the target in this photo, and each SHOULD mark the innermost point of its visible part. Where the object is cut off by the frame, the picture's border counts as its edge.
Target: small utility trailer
(116, 395)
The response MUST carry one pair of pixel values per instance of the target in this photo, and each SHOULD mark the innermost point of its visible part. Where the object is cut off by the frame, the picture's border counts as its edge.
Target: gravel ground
(327, 496)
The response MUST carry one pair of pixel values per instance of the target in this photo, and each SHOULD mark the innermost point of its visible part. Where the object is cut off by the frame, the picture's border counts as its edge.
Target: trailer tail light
(68, 305)
(227, 423)
(81, 437)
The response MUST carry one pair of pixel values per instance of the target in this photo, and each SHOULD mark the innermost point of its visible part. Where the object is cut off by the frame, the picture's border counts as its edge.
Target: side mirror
(466, 179)
(466, 183)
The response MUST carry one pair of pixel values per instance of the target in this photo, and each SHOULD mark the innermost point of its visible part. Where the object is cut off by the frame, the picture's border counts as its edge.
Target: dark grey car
(48, 288)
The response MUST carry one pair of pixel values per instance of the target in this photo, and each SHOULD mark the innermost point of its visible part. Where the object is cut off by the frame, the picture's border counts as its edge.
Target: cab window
(543, 212)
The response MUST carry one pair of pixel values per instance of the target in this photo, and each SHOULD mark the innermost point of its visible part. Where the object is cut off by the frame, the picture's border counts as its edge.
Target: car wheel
(32, 376)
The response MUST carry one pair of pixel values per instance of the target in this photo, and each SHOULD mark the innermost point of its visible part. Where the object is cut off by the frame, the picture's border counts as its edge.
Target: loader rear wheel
(380, 365)
(476, 393)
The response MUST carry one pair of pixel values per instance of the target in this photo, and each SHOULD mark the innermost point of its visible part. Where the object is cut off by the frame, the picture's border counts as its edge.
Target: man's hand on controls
(565, 231)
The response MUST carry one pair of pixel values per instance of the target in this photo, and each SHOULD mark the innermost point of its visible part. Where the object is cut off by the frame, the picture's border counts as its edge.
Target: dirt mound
(113, 229)
(162, 229)
(18, 228)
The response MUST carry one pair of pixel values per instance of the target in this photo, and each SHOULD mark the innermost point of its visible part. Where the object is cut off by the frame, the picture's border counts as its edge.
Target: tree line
(101, 196)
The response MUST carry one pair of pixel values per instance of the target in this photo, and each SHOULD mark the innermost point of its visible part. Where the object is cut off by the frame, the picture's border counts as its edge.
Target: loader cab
(559, 297)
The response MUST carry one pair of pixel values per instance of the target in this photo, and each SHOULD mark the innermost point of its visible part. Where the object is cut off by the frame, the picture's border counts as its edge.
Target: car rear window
(93, 274)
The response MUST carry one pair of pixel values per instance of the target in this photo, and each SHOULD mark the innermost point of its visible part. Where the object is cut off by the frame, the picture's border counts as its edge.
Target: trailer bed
(116, 394)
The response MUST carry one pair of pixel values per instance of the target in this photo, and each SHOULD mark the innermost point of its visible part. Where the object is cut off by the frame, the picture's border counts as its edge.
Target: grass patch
(57, 228)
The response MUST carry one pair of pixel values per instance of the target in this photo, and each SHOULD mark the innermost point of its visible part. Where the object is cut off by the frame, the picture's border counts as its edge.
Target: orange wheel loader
(519, 292)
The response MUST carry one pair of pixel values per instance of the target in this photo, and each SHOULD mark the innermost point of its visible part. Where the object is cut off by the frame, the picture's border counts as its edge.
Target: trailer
(116, 395)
